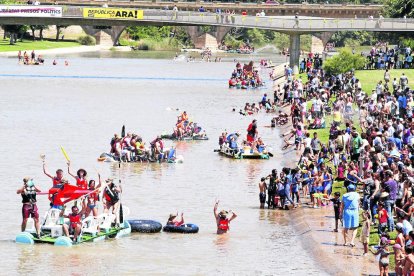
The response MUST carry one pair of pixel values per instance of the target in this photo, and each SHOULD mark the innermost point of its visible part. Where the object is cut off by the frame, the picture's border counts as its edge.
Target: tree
(14, 31)
(59, 30)
(343, 62)
(399, 8)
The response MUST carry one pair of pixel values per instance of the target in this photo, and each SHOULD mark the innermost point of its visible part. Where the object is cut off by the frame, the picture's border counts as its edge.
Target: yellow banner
(113, 13)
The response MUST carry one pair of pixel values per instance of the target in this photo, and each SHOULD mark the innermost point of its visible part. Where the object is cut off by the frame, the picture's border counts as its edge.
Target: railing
(287, 24)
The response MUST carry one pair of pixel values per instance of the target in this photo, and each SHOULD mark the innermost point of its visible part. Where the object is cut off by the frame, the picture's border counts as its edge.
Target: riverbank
(314, 227)
(37, 45)
(55, 51)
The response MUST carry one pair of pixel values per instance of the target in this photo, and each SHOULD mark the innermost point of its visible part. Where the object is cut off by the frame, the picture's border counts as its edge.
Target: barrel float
(24, 238)
(63, 241)
(145, 226)
(188, 228)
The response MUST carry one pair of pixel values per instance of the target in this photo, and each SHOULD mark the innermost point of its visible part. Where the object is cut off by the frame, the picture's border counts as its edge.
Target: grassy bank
(370, 78)
(28, 45)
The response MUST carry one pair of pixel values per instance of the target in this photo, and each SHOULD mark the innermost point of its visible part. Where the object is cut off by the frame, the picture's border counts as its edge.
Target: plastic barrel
(24, 238)
(63, 241)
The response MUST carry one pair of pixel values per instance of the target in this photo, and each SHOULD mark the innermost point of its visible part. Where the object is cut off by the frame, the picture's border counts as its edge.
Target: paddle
(123, 131)
(65, 154)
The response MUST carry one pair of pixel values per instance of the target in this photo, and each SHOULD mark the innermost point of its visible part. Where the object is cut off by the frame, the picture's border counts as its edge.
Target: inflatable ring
(63, 241)
(185, 228)
(145, 226)
(24, 238)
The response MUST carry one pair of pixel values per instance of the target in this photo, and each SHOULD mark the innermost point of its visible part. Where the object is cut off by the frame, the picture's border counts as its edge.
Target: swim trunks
(262, 197)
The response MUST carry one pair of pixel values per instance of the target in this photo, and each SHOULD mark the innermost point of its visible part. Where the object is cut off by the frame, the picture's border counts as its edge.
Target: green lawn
(370, 78)
(28, 45)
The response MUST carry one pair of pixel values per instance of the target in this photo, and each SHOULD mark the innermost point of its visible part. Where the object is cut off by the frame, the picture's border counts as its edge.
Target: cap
(351, 188)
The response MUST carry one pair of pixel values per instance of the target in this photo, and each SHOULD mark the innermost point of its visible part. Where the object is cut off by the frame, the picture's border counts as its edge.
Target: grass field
(370, 78)
(29, 45)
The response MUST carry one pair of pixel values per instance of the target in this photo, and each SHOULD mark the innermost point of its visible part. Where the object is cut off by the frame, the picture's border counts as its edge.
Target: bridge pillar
(105, 37)
(294, 51)
(211, 39)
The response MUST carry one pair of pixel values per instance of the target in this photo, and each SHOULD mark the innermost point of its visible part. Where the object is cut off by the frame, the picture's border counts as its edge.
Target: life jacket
(57, 182)
(82, 183)
(29, 195)
(74, 219)
(94, 196)
(223, 224)
(111, 195)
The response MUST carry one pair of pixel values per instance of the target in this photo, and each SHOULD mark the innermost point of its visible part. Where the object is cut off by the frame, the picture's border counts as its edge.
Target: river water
(81, 106)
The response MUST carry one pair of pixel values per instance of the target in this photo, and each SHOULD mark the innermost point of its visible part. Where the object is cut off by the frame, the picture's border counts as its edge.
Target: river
(81, 106)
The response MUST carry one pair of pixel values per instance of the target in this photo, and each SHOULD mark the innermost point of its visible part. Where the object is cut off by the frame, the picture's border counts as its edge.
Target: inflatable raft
(188, 228)
(145, 226)
(107, 157)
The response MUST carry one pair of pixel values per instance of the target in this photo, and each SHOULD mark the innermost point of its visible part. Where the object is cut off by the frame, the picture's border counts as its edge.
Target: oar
(123, 131)
(65, 154)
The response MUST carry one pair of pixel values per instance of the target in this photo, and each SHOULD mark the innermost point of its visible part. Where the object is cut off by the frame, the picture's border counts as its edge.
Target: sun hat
(80, 170)
(172, 216)
(384, 240)
(26, 179)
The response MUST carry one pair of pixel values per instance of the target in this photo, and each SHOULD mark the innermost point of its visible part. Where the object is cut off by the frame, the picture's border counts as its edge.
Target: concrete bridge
(271, 9)
(121, 17)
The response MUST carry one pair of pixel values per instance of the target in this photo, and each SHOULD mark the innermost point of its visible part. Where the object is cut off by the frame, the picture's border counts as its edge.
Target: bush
(143, 46)
(87, 40)
(343, 62)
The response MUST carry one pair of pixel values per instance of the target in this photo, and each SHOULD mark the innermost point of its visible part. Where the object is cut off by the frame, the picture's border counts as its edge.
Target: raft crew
(245, 77)
(173, 220)
(75, 222)
(111, 196)
(29, 208)
(93, 197)
(58, 182)
(223, 219)
(80, 177)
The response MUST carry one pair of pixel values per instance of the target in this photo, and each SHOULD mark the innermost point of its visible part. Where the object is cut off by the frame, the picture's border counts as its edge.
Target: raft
(245, 153)
(188, 228)
(113, 232)
(186, 138)
(92, 230)
(145, 226)
(107, 157)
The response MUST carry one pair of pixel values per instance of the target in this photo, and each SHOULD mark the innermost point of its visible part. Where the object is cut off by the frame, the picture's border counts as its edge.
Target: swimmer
(262, 192)
(223, 219)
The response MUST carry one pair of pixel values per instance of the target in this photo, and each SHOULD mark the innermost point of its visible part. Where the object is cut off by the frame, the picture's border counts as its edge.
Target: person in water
(29, 208)
(175, 220)
(75, 222)
(223, 219)
(262, 192)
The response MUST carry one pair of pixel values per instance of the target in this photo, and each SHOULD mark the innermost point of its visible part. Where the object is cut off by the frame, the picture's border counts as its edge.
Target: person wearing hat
(29, 209)
(80, 177)
(383, 253)
(222, 219)
(350, 214)
(173, 219)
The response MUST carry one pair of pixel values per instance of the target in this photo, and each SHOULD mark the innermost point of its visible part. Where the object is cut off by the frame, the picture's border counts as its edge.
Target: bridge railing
(282, 23)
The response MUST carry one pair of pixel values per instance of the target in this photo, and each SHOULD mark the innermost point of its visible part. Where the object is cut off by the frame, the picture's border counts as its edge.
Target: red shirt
(383, 216)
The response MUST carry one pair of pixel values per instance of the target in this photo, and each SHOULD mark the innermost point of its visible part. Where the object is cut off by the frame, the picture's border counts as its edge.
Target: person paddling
(223, 219)
(29, 208)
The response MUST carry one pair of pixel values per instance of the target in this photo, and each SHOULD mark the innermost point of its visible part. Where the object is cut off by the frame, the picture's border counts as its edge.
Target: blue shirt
(402, 101)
